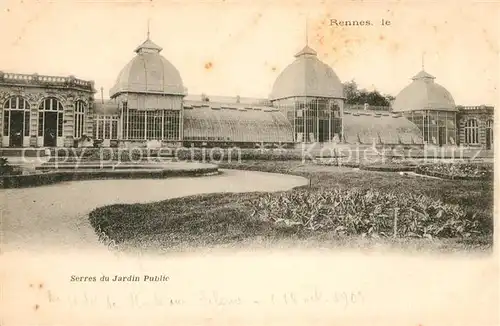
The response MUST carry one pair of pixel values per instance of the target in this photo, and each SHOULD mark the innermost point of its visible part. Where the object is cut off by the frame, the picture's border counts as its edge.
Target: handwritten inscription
(134, 300)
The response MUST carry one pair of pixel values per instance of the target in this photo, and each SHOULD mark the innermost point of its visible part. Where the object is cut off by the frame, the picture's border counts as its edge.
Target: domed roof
(423, 94)
(148, 72)
(307, 76)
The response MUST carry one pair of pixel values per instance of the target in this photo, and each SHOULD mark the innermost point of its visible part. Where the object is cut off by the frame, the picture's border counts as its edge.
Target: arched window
(472, 132)
(50, 121)
(79, 120)
(16, 123)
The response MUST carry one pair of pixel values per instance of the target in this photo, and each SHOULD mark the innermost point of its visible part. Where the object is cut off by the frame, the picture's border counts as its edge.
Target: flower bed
(180, 154)
(371, 165)
(460, 171)
(390, 167)
(102, 154)
(234, 154)
(339, 161)
(368, 212)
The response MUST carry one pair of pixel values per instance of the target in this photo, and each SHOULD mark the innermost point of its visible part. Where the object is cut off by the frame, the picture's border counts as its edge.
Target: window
(471, 132)
(106, 127)
(114, 129)
(50, 106)
(17, 104)
(79, 119)
(171, 125)
(6, 123)
(136, 124)
(59, 124)
(154, 124)
(40, 123)
(100, 128)
(26, 123)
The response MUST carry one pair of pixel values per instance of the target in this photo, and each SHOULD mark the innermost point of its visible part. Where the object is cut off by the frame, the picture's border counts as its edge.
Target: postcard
(248, 163)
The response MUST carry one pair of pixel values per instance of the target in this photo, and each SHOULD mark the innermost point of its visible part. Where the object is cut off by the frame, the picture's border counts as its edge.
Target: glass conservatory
(230, 123)
(437, 127)
(313, 119)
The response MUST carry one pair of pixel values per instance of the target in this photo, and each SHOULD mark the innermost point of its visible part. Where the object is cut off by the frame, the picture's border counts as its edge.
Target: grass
(215, 220)
(475, 194)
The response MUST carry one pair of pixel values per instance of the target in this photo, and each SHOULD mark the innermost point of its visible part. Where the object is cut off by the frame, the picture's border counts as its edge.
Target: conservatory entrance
(442, 136)
(50, 123)
(16, 133)
(16, 122)
(50, 129)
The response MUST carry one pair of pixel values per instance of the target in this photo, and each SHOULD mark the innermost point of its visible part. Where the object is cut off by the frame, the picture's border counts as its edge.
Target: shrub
(98, 154)
(5, 167)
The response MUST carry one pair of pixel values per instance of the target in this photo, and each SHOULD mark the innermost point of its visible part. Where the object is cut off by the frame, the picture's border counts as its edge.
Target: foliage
(233, 218)
(356, 96)
(369, 212)
(5, 167)
(382, 164)
(180, 154)
(40, 179)
(230, 154)
(458, 170)
(476, 195)
(98, 154)
(389, 167)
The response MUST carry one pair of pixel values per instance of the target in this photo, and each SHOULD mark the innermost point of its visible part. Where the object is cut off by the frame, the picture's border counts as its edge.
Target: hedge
(33, 180)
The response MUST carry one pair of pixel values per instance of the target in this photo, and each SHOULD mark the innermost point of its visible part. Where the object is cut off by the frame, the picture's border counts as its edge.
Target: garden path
(55, 217)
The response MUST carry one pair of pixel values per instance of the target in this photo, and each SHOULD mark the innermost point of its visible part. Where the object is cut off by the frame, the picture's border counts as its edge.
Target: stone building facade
(476, 126)
(44, 111)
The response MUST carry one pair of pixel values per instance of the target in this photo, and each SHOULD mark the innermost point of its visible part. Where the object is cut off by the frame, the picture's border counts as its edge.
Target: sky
(229, 48)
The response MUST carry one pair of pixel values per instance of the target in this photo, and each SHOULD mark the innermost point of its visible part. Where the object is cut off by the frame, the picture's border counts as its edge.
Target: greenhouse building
(149, 106)
(430, 107)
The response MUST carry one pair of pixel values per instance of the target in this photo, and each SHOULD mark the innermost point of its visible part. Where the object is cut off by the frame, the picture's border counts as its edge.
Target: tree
(359, 97)
(351, 92)
(205, 98)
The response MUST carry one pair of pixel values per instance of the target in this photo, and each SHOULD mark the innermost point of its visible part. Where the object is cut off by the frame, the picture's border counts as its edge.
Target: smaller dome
(148, 72)
(307, 76)
(423, 94)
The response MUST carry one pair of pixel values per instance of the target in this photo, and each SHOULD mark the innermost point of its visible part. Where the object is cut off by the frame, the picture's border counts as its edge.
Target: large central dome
(423, 94)
(307, 76)
(148, 72)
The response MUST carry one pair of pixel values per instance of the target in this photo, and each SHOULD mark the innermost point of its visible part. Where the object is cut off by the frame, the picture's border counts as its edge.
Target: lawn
(457, 215)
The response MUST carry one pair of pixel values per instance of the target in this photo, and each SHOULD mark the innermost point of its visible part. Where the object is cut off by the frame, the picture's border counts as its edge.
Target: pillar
(68, 121)
(34, 110)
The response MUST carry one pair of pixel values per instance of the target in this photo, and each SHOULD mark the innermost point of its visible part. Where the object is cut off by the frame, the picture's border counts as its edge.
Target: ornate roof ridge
(306, 50)
(423, 75)
(148, 45)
